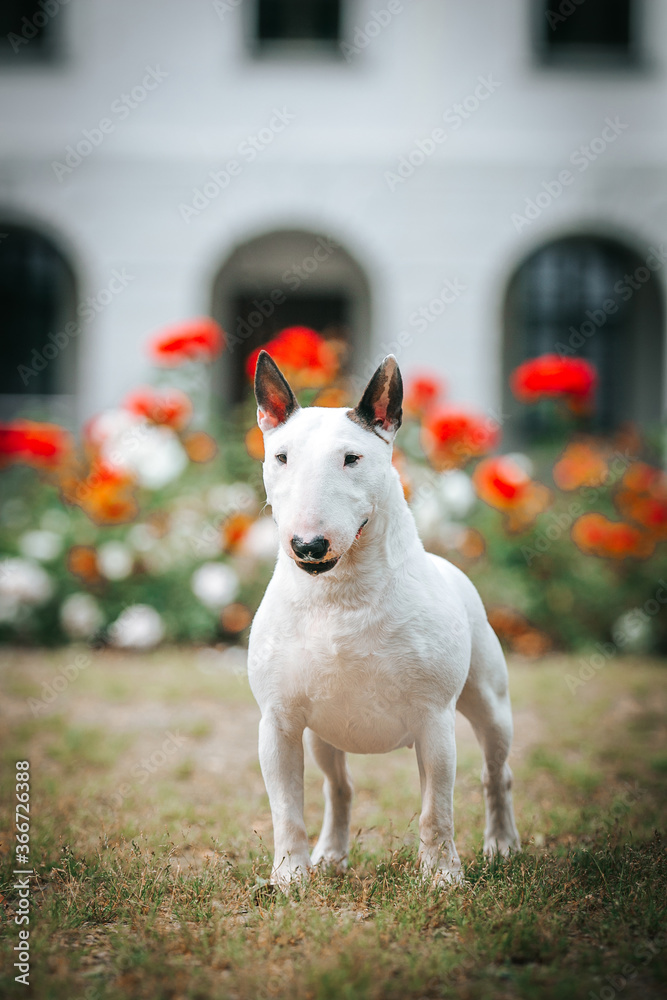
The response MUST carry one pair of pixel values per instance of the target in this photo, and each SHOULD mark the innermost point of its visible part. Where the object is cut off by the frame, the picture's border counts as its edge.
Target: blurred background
(470, 186)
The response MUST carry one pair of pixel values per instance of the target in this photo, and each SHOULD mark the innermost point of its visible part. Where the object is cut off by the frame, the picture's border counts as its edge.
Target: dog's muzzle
(310, 551)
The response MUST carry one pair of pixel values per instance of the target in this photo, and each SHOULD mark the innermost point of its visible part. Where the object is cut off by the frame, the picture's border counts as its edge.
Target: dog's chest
(363, 680)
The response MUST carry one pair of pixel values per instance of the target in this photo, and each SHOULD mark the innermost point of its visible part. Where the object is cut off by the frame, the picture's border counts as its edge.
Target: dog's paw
(287, 876)
(501, 846)
(443, 877)
(329, 862)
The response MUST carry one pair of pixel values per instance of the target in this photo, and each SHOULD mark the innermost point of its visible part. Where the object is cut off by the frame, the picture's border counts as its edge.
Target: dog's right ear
(275, 400)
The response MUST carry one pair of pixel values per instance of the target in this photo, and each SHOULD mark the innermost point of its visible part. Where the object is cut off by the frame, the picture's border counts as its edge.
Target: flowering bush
(150, 527)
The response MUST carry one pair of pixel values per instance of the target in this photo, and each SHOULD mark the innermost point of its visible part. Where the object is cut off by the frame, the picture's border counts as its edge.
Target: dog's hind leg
(333, 843)
(485, 702)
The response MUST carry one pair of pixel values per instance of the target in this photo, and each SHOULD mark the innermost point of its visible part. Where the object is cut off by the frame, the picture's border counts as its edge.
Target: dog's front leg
(436, 756)
(281, 759)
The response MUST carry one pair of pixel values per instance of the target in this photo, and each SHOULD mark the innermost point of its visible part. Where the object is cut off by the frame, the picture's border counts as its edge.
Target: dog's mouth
(315, 568)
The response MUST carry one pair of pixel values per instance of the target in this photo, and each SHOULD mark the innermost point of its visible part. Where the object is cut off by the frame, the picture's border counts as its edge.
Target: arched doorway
(595, 298)
(281, 279)
(37, 302)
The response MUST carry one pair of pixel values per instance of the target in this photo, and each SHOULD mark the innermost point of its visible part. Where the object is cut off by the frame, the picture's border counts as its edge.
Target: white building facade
(465, 184)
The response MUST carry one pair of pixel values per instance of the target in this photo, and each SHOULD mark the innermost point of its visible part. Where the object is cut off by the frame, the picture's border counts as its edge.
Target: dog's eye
(352, 459)
(282, 458)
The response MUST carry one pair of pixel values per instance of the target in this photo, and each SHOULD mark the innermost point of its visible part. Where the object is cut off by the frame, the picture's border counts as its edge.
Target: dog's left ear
(380, 408)
(275, 400)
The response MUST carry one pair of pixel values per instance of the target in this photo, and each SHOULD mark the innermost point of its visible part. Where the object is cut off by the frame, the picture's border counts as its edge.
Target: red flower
(304, 357)
(161, 406)
(43, 446)
(503, 484)
(451, 437)
(200, 339)
(550, 377)
(596, 535)
(422, 391)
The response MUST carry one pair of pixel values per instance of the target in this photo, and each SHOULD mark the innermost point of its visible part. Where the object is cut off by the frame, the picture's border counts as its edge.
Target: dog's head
(326, 470)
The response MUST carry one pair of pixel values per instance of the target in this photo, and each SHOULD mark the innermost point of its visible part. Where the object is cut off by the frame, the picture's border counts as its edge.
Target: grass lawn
(150, 836)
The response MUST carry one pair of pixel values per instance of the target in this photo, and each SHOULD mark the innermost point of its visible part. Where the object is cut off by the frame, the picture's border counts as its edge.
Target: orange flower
(106, 495)
(82, 562)
(235, 617)
(596, 535)
(422, 391)
(400, 464)
(305, 358)
(581, 464)
(42, 446)
(200, 447)
(515, 630)
(451, 437)
(234, 530)
(504, 485)
(552, 377)
(333, 396)
(167, 406)
(200, 339)
(643, 498)
(254, 442)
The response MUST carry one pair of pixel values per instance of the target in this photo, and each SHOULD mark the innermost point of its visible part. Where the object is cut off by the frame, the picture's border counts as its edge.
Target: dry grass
(152, 859)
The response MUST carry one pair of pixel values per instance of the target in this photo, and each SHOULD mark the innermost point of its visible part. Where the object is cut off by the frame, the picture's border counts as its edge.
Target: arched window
(37, 300)
(287, 278)
(590, 297)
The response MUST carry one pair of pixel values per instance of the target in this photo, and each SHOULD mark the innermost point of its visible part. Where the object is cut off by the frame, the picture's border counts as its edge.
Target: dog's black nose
(316, 548)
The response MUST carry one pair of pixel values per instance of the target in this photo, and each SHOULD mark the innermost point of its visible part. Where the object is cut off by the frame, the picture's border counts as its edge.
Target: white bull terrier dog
(364, 642)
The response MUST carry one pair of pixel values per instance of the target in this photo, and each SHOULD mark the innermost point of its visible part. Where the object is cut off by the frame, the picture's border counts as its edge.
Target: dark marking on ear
(380, 407)
(275, 400)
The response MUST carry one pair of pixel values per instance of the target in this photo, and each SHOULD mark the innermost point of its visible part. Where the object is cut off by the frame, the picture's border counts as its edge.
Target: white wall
(326, 171)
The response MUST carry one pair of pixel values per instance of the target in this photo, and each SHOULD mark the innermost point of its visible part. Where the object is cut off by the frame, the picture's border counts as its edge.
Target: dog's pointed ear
(275, 400)
(380, 408)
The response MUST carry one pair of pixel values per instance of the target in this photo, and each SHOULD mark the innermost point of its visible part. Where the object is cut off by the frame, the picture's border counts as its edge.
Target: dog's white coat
(373, 655)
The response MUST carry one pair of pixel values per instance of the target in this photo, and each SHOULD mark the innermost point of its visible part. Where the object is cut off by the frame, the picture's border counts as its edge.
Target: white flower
(523, 461)
(142, 537)
(41, 545)
(24, 581)
(153, 454)
(215, 584)
(137, 627)
(81, 616)
(115, 560)
(632, 631)
(261, 540)
(457, 492)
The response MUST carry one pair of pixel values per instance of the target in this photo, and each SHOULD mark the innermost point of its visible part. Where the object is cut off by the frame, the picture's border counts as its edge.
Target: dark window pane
(27, 29)
(579, 297)
(587, 31)
(298, 20)
(36, 290)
